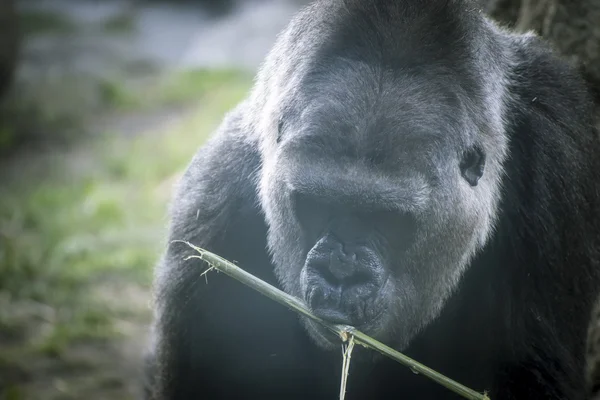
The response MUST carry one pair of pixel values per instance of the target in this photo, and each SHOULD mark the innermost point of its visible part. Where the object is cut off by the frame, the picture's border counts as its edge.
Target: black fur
(362, 115)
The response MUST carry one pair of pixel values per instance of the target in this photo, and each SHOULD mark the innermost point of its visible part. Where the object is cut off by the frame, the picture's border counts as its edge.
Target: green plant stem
(343, 331)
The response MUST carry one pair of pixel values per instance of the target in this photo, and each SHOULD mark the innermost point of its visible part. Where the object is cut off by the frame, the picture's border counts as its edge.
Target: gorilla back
(405, 167)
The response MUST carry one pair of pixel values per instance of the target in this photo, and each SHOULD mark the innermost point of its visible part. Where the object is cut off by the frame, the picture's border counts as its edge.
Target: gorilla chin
(346, 284)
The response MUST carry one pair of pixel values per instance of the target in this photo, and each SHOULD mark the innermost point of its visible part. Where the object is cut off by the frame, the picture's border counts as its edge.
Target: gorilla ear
(472, 165)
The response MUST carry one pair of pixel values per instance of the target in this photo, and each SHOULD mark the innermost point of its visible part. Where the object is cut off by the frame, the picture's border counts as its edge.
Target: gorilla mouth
(361, 307)
(344, 279)
(350, 308)
(328, 339)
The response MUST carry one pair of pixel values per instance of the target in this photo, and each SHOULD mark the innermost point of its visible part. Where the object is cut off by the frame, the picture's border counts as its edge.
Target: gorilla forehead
(389, 118)
(366, 103)
(379, 97)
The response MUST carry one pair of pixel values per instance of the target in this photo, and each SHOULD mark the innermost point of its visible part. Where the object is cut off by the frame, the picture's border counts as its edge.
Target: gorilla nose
(342, 263)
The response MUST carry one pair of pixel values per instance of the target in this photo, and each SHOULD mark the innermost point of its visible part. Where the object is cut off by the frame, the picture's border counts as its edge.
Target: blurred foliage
(33, 114)
(121, 23)
(33, 22)
(76, 221)
(172, 90)
(83, 208)
(183, 87)
(216, 7)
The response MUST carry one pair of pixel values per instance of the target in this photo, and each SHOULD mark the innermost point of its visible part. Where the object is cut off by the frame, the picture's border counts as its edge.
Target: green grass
(185, 86)
(114, 94)
(173, 90)
(71, 222)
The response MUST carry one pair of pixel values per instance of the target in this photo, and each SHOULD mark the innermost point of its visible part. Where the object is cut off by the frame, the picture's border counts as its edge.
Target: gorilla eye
(472, 165)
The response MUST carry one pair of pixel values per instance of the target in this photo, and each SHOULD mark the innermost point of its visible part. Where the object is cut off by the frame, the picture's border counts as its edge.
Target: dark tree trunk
(9, 44)
(572, 27)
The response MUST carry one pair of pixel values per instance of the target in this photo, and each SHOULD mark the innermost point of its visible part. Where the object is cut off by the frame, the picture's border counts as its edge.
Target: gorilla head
(381, 172)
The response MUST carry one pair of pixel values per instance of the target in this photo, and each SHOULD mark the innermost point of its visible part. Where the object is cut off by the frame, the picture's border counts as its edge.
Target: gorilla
(405, 167)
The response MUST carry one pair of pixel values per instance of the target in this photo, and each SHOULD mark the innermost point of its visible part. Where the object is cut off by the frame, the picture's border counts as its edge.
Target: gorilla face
(377, 193)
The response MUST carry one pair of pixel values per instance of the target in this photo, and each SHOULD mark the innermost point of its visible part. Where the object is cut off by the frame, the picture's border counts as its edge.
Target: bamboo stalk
(342, 331)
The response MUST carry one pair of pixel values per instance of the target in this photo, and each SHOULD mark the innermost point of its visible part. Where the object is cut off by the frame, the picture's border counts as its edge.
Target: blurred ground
(111, 100)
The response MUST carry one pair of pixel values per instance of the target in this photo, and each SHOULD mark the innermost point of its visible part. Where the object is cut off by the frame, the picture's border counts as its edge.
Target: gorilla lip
(371, 311)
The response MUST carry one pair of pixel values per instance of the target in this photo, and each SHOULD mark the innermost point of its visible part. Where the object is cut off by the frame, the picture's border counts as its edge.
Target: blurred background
(103, 103)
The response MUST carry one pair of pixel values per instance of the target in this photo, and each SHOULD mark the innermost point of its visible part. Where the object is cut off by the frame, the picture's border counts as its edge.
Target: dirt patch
(90, 369)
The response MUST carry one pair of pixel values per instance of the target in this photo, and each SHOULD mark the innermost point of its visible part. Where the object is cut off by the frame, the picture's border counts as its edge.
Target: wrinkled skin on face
(380, 207)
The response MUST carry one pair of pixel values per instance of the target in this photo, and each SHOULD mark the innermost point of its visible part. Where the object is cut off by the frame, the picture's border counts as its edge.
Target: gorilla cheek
(282, 238)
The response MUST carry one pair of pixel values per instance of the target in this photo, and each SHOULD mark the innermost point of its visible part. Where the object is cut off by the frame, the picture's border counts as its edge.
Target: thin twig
(343, 331)
(347, 353)
(205, 273)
